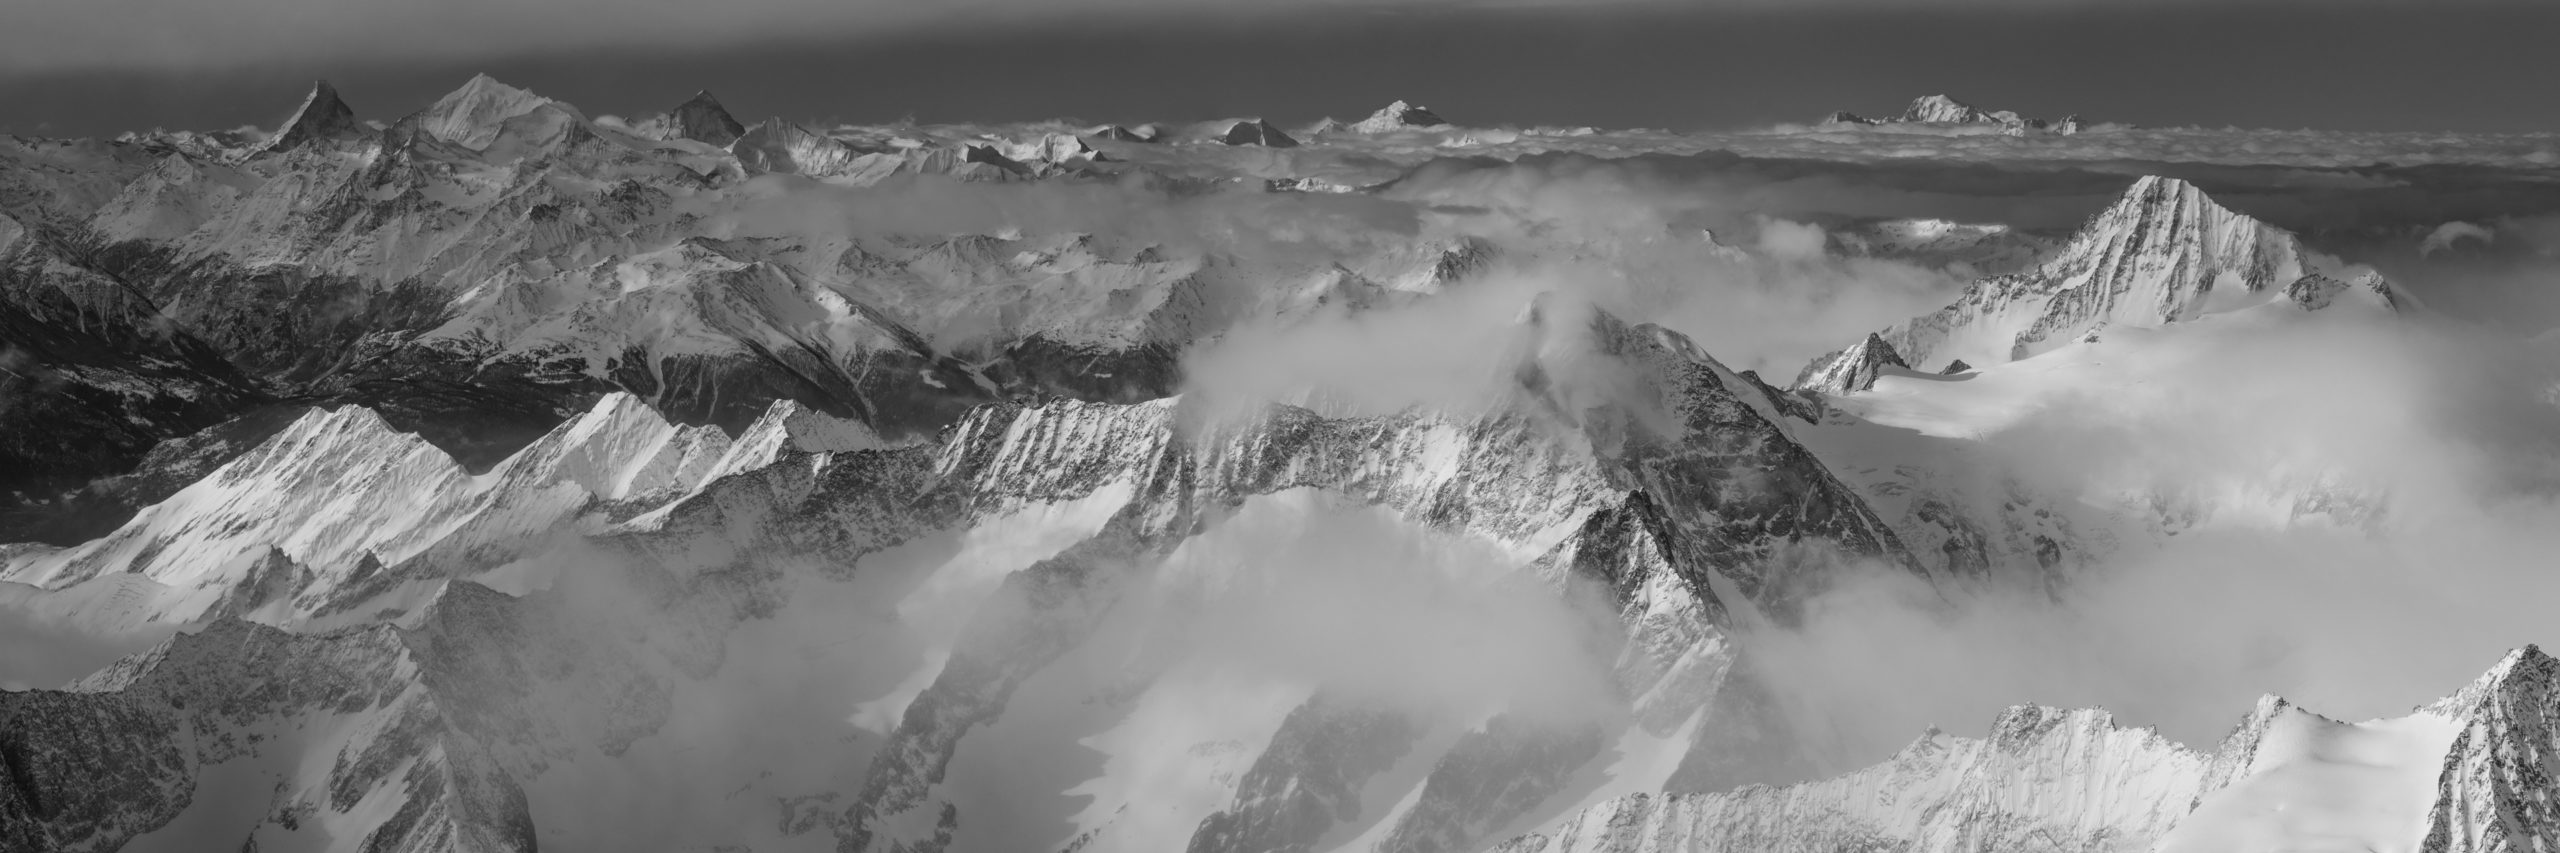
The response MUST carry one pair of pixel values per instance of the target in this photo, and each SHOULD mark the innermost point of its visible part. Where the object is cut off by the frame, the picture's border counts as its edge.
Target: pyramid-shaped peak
(2160, 212)
(1851, 370)
(1397, 116)
(701, 118)
(322, 116)
(2164, 188)
(1257, 132)
(470, 115)
(323, 96)
(614, 407)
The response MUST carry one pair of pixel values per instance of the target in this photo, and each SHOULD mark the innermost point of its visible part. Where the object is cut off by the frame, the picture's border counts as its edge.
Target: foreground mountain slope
(2457, 775)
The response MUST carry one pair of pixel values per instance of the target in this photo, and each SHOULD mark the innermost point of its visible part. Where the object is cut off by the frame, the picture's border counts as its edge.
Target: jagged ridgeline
(506, 477)
(482, 269)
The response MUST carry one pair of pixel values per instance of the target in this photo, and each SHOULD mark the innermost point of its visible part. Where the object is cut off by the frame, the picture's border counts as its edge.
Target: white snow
(339, 486)
(2321, 785)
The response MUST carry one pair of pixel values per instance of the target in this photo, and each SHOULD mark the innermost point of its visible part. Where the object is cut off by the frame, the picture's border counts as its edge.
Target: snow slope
(2045, 779)
(2163, 253)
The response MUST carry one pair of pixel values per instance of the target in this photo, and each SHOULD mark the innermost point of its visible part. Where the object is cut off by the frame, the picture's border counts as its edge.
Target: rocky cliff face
(243, 733)
(321, 119)
(2494, 789)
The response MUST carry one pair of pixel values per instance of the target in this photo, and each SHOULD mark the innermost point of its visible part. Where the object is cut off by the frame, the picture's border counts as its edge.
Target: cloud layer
(2444, 429)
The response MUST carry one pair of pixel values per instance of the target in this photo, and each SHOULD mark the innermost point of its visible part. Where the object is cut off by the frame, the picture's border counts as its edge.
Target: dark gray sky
(2473, 65)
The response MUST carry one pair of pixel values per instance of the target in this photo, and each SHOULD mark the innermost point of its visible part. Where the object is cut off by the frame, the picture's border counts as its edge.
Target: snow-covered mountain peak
(2164, 214)
(1940, 111)
(1398, 116)
(621, 448)
(2163, 252)
(794, 427)
(306, 523)
(322, 116)
(472, 115)
(2524, 671)
(2167, 230)
(1940, 108)
(1852, 369)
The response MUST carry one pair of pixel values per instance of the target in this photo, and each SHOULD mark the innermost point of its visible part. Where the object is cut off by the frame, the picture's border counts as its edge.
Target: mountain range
(503, 477)
(1940, 110)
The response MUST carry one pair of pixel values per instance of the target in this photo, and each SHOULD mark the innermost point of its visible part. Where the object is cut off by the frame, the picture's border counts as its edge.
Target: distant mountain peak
(1852, 369)
(1940, 108)
(2163, 252)
(322, 116)
(701, 118)
(471, 115)
(1257, 132)
(481, 87)
(1121, 133)
(1945, 110)
(1399, 115)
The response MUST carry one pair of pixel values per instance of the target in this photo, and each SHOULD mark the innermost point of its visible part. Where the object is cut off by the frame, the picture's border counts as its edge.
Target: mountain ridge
(507, 476)
(2163, 253)
(1943, 111)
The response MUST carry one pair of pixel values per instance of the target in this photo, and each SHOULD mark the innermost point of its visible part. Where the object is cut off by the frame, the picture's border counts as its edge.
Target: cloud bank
(2444, 431)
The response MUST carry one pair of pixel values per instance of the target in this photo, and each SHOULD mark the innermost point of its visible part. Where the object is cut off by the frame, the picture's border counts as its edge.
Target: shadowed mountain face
(505, 475)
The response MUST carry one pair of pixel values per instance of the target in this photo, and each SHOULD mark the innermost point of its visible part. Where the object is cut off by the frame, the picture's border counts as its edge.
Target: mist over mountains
(506, 476)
